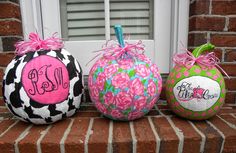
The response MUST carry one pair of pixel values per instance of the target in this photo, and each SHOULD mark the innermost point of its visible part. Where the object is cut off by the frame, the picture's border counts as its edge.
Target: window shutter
(85, 19)
(135, 16)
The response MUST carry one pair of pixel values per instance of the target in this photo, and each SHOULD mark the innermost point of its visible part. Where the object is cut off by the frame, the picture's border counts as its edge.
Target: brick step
(89, 131)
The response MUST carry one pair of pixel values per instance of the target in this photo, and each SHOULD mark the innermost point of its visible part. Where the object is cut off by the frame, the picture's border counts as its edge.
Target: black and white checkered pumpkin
(44, 86)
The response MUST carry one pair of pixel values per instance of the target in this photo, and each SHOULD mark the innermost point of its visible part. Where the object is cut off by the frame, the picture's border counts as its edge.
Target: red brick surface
(232, 24)
(143, 140)
(221, 40)
(192, 140)
(195, 39)
(146, 141)
(29, 143)
(76, 138)
(199, 7)
(98, 139)
(9, 10)
(213, 139)
(223, 7)
(122, 140)
(230, 97)
(10, 27)
(206, 23)
(51, 141)
(6, 58)
(229, 133)
(230, 55)
(167, 133)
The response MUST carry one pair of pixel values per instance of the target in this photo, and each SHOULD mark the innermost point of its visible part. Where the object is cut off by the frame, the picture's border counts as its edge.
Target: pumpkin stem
(200, 49)
(119, 35)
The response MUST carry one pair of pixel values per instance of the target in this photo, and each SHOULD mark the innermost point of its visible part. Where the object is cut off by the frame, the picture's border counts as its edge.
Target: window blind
(85, 19)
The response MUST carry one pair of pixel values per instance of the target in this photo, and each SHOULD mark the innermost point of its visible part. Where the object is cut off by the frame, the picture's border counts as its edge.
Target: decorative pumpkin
(195, 88)
(124, 84)
(43, 83)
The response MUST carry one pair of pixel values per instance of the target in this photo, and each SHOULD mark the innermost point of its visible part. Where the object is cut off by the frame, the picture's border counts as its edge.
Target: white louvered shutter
(85, 19)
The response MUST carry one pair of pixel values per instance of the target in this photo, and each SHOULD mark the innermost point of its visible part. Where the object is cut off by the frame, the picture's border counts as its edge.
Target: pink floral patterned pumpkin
(124, 88)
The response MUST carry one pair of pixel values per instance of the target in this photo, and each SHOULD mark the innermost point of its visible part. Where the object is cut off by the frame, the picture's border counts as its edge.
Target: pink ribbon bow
(35, 43)
(206, 61)
(113, 50)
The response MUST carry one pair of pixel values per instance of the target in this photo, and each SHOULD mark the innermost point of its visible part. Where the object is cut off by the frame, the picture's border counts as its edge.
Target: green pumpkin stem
(200, 49)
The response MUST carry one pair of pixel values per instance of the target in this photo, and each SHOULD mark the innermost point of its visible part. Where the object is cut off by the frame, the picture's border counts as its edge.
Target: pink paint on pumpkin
(216, 107)
(186, 73)
(208, 73)
(154, 70)
(46, 80)
(123, 100)
(210, 111)
(215, 77)
(110, 70)
(101, 81)
(144, 58)
(109, 98)
(121, 80)
(142, 70)
(140, 103)
(178, 75)
(94, 91)
(116, 114)
(136, 87)
(152, 103)
(94, 68)
(126, 63)
(134, 115)
(102, 62)
(172, 81)
(197, 70)
(101, 107)
(151, 88)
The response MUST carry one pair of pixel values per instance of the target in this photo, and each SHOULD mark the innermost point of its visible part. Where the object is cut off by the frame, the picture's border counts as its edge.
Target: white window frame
(170, 27)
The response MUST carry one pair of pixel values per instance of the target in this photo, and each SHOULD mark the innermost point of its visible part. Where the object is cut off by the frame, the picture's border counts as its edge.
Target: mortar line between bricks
(134, 140)
(179, 134)
(213, 32)
(89, 132)
(11, 19)
(63, 139)
(109, 146)
(157, 137)
(157, 109)
(9, 2)
(9, 128)
(226, 122)
(226, 23)
(221, 134)
(203, 142)
(43, 133)
(232, 115)
(210, 8)
(22, 136)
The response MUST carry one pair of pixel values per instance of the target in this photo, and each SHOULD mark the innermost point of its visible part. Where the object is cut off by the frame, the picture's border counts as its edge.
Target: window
(85, 25)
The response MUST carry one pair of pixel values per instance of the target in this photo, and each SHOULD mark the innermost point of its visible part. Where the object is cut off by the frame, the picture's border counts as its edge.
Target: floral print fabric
(124, 89)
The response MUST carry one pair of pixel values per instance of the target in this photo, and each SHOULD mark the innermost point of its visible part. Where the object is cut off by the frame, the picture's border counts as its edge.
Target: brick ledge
(88, 131)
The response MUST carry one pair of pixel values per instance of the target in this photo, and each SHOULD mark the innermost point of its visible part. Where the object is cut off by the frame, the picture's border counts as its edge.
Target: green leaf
(131, 73)
(143, 81)
(106, 86)
(120, 70)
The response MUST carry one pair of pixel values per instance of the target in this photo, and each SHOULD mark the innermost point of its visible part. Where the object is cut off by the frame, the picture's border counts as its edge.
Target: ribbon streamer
(35, 43)
(206, 61)
(113, 50)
